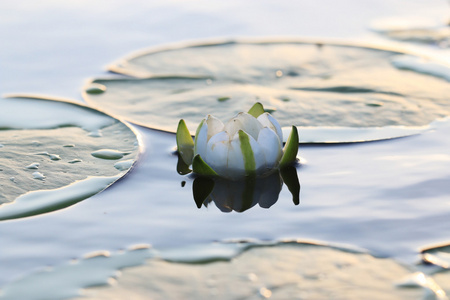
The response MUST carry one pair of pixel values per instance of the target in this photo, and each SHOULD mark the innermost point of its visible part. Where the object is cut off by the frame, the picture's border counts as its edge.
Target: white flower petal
(246, 122)
(245, 145)
(217, 152)
(201, 138)
(270, 146)
(214, 126)
(267, 120)
(236, 167)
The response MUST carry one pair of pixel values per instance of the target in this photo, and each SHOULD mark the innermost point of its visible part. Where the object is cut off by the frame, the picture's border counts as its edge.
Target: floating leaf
(265, 268)
(328, 134)
(303, 84)
(44, 173)
(413, 29)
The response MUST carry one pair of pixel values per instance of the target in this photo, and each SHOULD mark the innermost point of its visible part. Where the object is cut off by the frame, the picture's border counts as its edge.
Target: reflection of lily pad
(46, 160)
(306, 84)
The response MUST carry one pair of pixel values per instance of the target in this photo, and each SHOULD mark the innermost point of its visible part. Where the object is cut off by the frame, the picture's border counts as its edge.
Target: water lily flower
(250, 144)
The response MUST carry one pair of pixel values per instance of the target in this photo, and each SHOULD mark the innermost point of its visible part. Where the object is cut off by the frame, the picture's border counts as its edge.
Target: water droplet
(96, 88)
(35, 143)
(12, 179)
(265, 292)
(279, 73)
(54, 157)
(42, 153)
(51, 156)
(1, 146)
(69, 146)
(139, 247)
(38, 175)
(100, 253)
(73, 161)
(123, 165)
(33, 166)
(95, 133)
(108, 154)
(222, 99)
(292, 73)
(375, 104)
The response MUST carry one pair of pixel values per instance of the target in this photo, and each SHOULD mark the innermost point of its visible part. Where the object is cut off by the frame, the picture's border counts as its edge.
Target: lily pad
(255, 270)
(414, 29)
(305, 84)
(49, 159)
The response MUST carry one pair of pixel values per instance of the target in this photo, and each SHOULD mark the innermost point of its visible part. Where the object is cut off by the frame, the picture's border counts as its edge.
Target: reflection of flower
(248, 144)
(240, 195)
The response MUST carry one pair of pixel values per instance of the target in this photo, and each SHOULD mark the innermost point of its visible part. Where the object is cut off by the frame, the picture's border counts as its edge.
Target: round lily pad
(55, 153)
(312, 85)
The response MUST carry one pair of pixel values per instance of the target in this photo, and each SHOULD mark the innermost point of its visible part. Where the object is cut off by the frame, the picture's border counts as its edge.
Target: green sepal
(290, 178)
(290, 149)
(256, 110)
(247, 153)
(201, 189)
(200, 167)
(185, 143)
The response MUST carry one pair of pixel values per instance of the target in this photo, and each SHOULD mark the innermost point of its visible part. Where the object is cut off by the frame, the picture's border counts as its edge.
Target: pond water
(389, 197)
